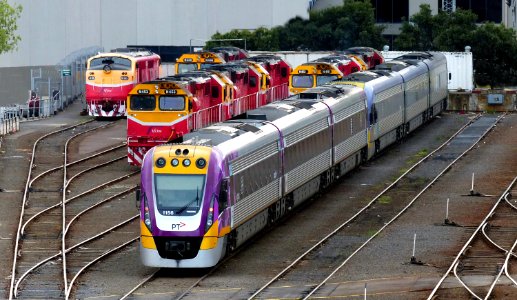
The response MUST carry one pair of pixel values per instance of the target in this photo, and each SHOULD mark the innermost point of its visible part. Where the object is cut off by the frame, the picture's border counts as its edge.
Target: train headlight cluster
(175, 162)
(124, 78)
(201, 163)
(160, 162)
(91, 77)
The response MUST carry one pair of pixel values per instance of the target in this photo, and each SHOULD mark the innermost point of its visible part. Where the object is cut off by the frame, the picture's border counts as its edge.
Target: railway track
(484, 260)
(53, 206)
(326, 257)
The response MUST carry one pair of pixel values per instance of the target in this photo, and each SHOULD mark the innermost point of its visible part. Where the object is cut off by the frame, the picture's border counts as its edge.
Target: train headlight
(210, 216)
(160, 162)
(147, 217)
(91, 77)
(175, 162)
(124, 78)
(201, 163)
(186, 162)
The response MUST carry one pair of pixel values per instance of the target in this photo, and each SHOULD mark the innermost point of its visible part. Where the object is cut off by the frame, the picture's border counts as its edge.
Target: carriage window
(142, 103)
(115, 63)
(172, 103)
(184, 68)
(322, 79)
(302, 81)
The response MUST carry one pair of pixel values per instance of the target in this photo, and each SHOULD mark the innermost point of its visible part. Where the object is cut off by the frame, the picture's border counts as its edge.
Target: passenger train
(206, 196)
(110, 76)
(163, 110)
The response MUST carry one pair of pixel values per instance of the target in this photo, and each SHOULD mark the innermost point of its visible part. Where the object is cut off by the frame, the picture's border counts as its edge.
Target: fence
(51, 90)
(9, 120)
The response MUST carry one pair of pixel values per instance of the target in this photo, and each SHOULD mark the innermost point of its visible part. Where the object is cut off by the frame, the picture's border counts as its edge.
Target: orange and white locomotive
(110, 76)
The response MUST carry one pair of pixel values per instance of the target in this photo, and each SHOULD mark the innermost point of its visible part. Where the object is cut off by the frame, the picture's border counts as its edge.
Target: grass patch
(371, 232)
(384, 200)
(417, 157)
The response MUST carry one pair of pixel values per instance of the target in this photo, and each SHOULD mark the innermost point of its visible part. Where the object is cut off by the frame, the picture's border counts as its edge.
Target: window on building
(391, 11)
(486, 10)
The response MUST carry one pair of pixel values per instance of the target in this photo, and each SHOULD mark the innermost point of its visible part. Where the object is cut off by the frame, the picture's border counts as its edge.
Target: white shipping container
(459, 66)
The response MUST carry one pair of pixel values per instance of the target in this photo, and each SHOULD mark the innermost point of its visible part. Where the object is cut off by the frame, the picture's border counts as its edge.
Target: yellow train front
(110, 77)
(180, 208)
(312, 74)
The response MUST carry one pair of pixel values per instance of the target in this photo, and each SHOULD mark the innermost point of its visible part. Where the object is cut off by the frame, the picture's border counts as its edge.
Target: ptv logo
(177, 226)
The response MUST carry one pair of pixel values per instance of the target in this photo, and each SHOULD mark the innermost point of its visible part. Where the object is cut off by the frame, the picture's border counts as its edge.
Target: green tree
(455, 30)
(8, 17)
(335, 28)
(418, 33)
(494, 48)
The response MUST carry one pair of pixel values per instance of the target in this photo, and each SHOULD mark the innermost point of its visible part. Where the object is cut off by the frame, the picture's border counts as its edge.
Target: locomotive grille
(349, 146)
(177, 248)
(306, 171)
(254, 202)
(388, 93)
(246, 161)
(306, 131)
(415, 82)
(339, 116)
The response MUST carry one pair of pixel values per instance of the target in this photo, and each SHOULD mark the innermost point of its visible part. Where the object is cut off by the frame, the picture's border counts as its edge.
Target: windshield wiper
(190, 203)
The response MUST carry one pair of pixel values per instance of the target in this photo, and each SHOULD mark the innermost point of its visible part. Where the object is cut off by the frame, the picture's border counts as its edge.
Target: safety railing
(9, 120)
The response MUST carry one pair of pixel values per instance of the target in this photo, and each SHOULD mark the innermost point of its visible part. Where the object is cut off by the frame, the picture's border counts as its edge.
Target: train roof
(230, 66)
(334, 59)
(415, 56)
(221, 132)
(132, 51)
(322, 92)
(365, 76)
(191, 75)
(267, 58)
(395, 65)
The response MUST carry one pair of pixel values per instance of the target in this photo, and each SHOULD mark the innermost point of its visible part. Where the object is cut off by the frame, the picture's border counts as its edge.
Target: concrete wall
(52, 29)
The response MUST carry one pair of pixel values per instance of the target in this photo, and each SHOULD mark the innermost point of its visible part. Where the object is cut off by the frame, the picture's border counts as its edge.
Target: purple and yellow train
(206, 196)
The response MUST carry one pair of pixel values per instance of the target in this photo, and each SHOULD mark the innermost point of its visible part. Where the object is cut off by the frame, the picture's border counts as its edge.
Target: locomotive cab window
(302, 81)
(142, 102)
(115, 63)
(180, 194)
(184, 68)
(172, 103)
(322, 79)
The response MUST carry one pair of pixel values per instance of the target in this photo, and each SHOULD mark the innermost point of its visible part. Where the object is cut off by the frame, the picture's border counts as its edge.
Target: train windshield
(179, 194)
(115, 63)
(142, 102)
(302, 81)
(172, 103)
(322, 79)
(184, 68)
